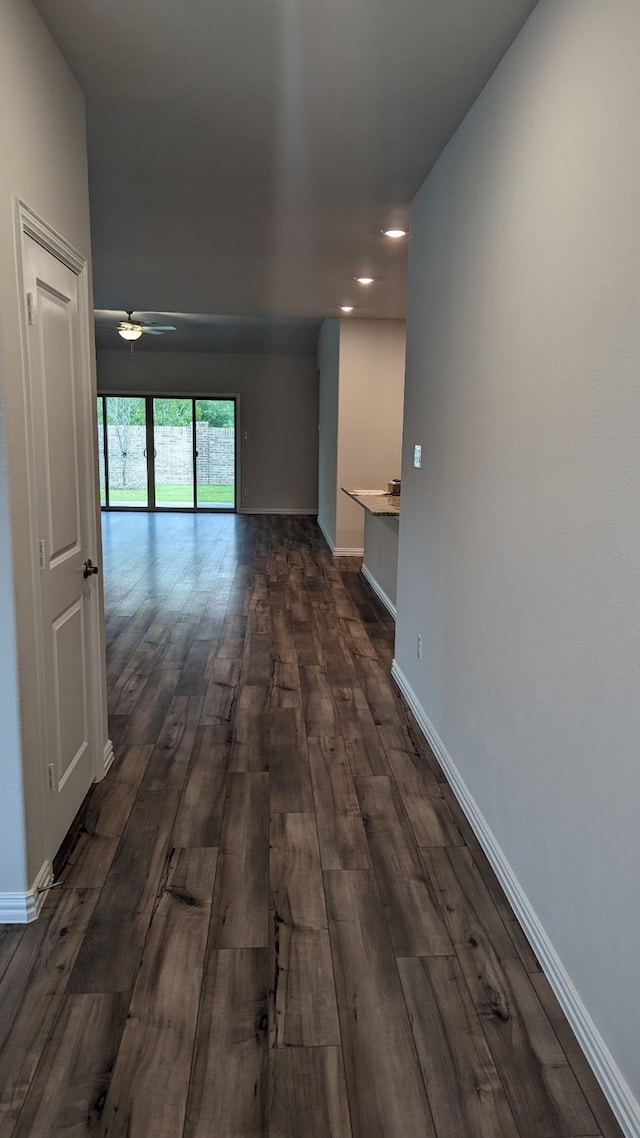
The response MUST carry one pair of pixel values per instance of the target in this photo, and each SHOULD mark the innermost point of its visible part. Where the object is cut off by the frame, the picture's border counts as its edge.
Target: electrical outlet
(417, 456)
(419, 646)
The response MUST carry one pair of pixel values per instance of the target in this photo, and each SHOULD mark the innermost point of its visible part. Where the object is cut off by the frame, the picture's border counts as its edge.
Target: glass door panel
(173, 453)
(126, 449)
(166, 452)
(215, 429)
(101, 452)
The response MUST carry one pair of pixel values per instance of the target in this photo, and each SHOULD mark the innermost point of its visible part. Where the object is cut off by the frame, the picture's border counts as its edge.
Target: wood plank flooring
(276, 922)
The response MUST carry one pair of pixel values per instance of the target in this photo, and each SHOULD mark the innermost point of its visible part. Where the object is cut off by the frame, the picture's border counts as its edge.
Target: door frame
(28, 224)
(149, 397)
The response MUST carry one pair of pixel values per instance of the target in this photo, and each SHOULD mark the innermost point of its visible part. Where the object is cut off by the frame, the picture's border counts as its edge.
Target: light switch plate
(417, 456)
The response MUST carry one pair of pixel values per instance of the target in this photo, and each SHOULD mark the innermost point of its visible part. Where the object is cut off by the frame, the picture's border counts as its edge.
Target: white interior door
(63, 476)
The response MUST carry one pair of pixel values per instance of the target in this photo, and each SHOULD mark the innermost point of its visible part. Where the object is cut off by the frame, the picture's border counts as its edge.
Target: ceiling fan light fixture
(130, 333)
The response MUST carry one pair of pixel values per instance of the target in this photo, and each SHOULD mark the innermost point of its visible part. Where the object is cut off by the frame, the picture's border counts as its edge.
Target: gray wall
(278, 409)
(381, 553)
(372, 361)
(520, 537)
(42, 143)
(361, 366)
(328, 368)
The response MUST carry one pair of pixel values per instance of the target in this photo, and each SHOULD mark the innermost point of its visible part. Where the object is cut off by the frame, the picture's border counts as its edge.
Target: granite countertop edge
(376, 502)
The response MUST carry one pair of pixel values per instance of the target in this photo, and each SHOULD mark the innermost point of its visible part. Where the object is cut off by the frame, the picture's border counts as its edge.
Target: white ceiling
(245, 153)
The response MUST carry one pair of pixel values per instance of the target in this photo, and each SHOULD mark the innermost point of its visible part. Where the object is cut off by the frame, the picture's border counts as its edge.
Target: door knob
(89, 568)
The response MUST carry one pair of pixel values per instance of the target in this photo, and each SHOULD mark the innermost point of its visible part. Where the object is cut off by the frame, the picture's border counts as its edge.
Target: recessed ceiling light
(365, 280)
(346, 307)
(395, 233)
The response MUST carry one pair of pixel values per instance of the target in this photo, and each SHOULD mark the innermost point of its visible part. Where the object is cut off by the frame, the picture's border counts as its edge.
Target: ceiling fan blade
(158, 329)
(153, 331)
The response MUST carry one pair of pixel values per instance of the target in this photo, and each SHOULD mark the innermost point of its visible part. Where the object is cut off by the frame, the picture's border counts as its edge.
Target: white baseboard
(618, 1092)
(339, 550)
(311, 511)
(21, 908)
(109, 756)
(379, 591)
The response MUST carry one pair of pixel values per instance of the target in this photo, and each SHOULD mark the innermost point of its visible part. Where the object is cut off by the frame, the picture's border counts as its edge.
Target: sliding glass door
(214, 450)
(126, 451)
(166, 453)
(173, 457)
(102, 454)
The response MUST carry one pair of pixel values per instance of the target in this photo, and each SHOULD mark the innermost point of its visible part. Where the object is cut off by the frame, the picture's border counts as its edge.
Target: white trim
(37, 228)
(379, 591)
(22, 908)
(27, 222)
(310, 511)
(618, 1092)
(109, 756)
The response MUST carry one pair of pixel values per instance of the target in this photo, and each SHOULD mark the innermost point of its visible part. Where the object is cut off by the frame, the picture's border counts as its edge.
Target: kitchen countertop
(376, 502)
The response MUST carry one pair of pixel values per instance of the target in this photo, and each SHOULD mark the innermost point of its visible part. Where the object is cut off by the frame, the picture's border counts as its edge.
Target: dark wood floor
(275, 919)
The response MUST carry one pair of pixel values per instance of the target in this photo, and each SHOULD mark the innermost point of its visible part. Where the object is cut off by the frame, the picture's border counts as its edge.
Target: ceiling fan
(131, 329)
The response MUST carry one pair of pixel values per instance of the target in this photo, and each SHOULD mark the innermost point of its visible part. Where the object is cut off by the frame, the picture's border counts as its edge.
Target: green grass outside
(219, 495)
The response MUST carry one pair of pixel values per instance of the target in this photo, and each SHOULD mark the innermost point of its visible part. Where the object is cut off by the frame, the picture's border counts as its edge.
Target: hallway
(276, 920)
